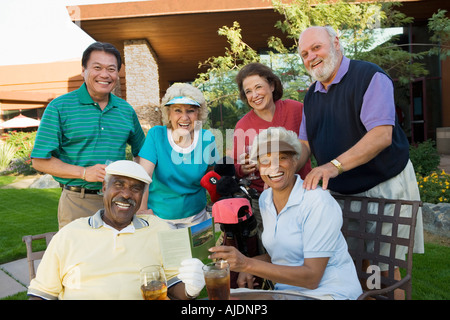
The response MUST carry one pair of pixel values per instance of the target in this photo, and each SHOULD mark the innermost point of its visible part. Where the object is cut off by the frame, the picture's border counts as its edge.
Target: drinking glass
(251, 176)
(153, 283)
(217, 279)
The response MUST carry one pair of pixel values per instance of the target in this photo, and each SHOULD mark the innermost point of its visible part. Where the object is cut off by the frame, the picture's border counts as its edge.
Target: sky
(40, 31)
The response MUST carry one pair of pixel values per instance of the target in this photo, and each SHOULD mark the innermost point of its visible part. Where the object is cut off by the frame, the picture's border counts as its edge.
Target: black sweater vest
(333, 126)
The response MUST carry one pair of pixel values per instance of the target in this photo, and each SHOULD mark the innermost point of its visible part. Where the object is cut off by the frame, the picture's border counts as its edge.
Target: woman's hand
(246, 280)
(246, 166)
(236, 260)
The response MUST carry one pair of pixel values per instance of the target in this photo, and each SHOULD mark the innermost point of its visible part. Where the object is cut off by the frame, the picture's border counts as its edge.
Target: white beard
(328, 66)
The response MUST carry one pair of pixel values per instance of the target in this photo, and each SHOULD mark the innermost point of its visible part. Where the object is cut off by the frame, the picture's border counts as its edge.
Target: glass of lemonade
(153, 283)
(217, 279)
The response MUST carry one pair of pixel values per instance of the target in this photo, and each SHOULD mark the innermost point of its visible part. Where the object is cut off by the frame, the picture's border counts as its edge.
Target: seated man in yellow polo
(99, 257)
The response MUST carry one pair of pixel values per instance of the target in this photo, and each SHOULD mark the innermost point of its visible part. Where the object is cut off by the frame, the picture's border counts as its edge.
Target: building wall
(33, 86)
(57, 77)
(51, 78)
(445, 92)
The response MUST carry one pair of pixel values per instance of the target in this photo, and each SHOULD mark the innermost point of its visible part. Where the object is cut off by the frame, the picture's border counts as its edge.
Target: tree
(439, 24)
(218, 84)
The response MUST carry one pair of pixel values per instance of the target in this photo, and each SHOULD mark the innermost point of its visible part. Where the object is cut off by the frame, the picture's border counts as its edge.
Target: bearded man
(350, 126)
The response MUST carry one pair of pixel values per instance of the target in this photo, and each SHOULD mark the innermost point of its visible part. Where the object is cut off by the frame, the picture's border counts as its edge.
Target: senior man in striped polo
(83, 130)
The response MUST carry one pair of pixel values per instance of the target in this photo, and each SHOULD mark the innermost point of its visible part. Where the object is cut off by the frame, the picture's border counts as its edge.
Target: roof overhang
(184, 33)
(22, 100)
(181, 33)
(26, 96)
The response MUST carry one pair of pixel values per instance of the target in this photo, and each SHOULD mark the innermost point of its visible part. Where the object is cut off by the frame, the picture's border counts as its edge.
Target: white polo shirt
(91, 261)
(309, 226)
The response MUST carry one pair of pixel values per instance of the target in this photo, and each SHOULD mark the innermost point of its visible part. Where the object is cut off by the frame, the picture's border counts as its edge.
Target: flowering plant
(22, 144)
(434, 188)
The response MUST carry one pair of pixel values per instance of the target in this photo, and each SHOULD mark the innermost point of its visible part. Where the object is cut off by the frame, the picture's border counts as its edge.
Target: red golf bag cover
(239, 226)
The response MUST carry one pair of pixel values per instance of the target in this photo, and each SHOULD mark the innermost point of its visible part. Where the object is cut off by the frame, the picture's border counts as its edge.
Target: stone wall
(436, 218)
(149, 116)
(142, 82)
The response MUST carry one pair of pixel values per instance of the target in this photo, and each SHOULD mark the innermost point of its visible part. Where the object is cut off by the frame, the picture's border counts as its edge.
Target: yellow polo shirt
(90, 260)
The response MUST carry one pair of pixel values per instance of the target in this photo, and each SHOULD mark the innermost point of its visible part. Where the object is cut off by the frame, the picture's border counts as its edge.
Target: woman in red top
(262, 90)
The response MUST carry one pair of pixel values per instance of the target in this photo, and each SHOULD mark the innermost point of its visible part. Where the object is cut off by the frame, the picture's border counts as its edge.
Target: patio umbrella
(20, 121)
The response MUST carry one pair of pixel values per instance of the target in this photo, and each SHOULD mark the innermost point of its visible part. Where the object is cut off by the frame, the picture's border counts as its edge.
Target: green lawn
(431, 273)
(34, 211)
(24, 212)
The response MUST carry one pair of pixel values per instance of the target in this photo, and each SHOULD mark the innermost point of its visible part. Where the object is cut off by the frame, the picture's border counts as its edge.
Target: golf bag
(233, 211)
(239, 228)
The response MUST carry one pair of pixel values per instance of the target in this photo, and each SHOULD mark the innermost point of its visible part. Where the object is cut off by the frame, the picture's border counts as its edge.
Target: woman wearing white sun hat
(177, 155)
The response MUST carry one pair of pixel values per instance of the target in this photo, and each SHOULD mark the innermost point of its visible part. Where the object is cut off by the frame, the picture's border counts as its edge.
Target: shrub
(424, 157)
(20, 166)
(7, 153)
(23, 142)
(434, 188)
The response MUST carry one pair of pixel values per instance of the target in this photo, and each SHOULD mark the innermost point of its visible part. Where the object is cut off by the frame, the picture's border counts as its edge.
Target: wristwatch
(338, 165)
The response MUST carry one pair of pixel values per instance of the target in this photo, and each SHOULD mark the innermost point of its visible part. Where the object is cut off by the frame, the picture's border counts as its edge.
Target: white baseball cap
(130, 169)
(183, 100)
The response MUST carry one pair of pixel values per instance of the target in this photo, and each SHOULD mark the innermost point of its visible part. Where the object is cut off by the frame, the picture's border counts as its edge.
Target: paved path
(22, 183)
(13, 277)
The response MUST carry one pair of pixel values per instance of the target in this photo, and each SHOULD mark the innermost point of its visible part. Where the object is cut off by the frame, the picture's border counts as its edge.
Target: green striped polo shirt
(74, 129)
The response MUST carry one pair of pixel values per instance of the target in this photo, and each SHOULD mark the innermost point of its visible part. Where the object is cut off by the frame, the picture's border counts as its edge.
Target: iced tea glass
(153, 283)
(217, 279)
